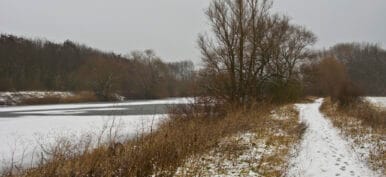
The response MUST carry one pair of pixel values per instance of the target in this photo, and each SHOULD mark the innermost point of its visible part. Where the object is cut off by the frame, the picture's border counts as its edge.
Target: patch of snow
(323, 152)
(380, 101)
(219, 163)
(280, 114)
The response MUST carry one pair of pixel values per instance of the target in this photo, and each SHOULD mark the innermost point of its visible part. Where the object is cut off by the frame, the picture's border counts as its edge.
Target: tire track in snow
(323, 152)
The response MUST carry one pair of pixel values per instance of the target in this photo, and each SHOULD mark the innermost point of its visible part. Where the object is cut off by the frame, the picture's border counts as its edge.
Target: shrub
(329, 77)
(281, 92)
(82, 96)
(78, 97)
(44, 100)
(348, 94)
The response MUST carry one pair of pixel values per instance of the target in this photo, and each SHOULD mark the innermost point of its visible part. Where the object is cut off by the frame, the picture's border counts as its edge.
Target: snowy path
(323, 152)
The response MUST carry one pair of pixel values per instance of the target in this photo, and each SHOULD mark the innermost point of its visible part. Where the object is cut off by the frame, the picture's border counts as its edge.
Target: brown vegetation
(78, 97)
(366, 65)
(364, 111)
(364, 124)
(329, 77)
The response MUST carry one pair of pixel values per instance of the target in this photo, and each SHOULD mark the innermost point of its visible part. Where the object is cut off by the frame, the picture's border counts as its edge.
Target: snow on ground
(260, 152)
(13, 98)
(378, 101)
(247, 151)
(323, 152)
(22, 136)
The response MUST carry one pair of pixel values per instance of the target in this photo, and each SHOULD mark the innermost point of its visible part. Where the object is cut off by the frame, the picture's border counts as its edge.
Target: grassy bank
(261, 149)
(364, 125)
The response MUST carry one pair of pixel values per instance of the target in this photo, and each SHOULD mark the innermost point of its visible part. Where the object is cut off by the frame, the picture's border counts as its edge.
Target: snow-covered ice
(21, 136)
(323, 152)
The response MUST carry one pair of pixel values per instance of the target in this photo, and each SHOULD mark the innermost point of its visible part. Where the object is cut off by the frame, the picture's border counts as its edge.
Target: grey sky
(170, 27)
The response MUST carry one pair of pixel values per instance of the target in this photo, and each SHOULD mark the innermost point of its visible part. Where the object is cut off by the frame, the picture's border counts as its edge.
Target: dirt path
(323, 152)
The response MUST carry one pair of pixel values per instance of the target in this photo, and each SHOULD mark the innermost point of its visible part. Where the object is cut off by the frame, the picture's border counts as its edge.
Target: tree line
(27, 64)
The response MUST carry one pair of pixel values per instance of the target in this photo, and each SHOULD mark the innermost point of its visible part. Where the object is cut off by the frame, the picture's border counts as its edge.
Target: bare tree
(250, 48)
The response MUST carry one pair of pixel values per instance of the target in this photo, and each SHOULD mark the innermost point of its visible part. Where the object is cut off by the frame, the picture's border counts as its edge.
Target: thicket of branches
(352, 69)
(252, 53)
(329, 77)
(366, 65)
(42, 65)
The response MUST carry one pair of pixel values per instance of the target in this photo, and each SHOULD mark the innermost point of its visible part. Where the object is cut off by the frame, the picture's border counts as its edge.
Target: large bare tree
(250, 47)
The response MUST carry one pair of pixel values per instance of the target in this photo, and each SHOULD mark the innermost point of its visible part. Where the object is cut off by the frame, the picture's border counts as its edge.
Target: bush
(329, 77)
(44, 100)
(78, 97)
(281, 92)
(348, 94)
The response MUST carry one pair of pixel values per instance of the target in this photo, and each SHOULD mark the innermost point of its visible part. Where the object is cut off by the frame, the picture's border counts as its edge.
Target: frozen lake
(24, 128)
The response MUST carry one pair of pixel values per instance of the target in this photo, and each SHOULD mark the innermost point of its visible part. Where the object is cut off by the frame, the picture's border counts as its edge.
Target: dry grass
(307, 99)
(264, 149)
(78, 97)
(364, 125)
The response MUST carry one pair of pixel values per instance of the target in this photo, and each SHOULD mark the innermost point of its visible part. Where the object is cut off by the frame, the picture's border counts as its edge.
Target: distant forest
(27, 64)
(42, 65)
(364, 63)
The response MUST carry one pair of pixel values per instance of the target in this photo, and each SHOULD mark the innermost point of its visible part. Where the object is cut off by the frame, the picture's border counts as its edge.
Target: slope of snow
(323, 152)
(381, 101)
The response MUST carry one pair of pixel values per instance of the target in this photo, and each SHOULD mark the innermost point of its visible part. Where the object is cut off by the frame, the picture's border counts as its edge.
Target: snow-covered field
(28, 127)
(323, 152)
(378, 100)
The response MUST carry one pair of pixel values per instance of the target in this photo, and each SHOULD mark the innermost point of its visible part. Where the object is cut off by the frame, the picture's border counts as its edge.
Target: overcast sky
(170, 27)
